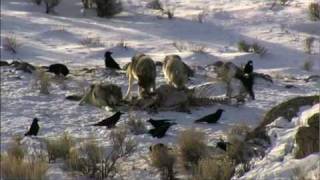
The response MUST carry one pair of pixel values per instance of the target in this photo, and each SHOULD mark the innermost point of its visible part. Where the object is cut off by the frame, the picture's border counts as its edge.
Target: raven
(211, 118)
(58, 69)
(110, 62)
(248, 68)
(160, 122)
(160, 131)
(110, 122)
(34, 128)
(223, 145)
(248, 81)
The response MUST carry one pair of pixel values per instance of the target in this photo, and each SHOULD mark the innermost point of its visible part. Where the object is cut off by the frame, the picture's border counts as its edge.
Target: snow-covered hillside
(45, 39)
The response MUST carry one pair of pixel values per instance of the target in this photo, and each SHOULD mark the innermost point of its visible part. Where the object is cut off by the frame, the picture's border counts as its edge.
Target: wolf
(101, 95)
(143, 69)
(175, 71)
(228, 72)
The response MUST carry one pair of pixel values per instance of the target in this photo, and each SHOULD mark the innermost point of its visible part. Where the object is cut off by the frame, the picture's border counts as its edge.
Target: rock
(307, 140)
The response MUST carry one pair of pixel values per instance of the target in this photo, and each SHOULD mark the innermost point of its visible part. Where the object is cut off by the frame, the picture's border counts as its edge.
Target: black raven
(160, 131)
(248, 81)
(223, 145)
(248, 68)
(58, 69)
(34, 128)
(109, 122)
(160, 122)
(211, 118)
(110, 62)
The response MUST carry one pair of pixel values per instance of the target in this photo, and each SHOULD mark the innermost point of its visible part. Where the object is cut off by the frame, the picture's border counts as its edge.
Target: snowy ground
(46, 39)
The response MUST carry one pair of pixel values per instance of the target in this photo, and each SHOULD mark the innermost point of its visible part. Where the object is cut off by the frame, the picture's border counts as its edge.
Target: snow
(279, 160)
(46, 39)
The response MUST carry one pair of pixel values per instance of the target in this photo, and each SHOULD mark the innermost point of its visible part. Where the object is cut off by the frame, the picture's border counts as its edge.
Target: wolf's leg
(129, 87)
(229, 90)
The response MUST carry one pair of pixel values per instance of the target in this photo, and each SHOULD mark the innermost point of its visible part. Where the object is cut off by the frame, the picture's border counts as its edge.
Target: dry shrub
(122, 44)
(201, 16)
(91, 42)
(88, 4)
(192, 147)
(93, 161)
(258, 49)
(155, 4)
(12, 168)
(190, 46)
(44, 81)
(136, 126)
(15, 165)
(314, 11)
(11, 44)
(180, 46)
(308, 44)
(50, 5)
(37, 2)
(307, 65)
(243, 46)
(239, 131)
(197, 48)
(218, 168)
(237, 148)
(283, 2)
(164, 160)
(108, 8)
(15, 148)
(59, 147)
(169, 12)
(76, 162)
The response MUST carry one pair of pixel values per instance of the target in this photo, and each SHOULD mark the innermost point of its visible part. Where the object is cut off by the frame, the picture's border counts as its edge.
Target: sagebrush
(11, 44)
(192, 147)
(94, 161)
(244, 46)
(50, 5)
(219, 167)
(164, 160)
(314, 11)
(108, 8)
(136, 126)
(60, 147)
(16, 164)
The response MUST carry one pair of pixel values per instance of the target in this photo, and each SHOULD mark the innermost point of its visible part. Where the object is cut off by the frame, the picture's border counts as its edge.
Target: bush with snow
(59, 147)
(108, 8)
(219, 167)
(93, 160)
(164, 160)
(136, 126)
(50, 5)
(192, 147)
(244, 46)
(15, 164)
(314, 11)
(37, 2)
(11, 44)
(155, 4)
